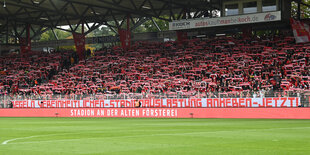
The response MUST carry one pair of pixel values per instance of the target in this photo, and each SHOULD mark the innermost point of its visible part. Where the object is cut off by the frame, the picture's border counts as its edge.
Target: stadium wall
(259, 113)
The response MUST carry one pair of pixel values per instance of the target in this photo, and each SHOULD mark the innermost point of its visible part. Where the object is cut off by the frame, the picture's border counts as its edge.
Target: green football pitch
(88, 136)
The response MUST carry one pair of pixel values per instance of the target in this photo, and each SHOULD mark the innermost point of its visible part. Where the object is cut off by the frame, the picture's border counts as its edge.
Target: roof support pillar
(298, 9)
(25, 42)
(79, 41)
(125, 35)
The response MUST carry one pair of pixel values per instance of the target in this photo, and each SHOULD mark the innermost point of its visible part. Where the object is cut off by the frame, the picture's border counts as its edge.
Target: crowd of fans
(209, 67)
(24, 74)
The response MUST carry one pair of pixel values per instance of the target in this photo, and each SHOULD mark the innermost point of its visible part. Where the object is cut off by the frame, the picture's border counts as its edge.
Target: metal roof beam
(94, 26)
(140, 22)
(119, 8)
(30, 6)
(200, 6)
(156, 25)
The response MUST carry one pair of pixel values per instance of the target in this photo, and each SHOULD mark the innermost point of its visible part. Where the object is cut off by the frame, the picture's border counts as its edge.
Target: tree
(101, 31)
(304, 9)
(48, 35)
(151, 27)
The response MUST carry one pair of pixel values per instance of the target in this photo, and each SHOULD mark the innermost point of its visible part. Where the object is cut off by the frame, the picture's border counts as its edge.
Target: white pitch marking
(135, 136)
(14, 139)
(10, 140)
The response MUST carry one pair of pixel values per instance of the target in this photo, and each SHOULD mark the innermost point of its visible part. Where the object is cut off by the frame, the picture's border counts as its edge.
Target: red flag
(79, 41)
(301, 31)
(125, 37)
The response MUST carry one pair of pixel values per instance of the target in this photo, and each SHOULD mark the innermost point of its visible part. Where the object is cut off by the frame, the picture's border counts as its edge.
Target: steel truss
(44, 15)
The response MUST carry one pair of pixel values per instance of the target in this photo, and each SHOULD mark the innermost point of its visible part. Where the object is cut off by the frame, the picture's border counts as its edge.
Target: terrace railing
(304, 96)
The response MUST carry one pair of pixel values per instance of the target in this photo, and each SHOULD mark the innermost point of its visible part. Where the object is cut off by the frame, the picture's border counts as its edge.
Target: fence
(304, 96)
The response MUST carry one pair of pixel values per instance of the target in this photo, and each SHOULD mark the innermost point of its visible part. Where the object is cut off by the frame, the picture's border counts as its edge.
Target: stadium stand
(214, 67)
(29, 73)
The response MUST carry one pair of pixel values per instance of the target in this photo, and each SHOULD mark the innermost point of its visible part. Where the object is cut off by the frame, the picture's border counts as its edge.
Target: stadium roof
(52, 13)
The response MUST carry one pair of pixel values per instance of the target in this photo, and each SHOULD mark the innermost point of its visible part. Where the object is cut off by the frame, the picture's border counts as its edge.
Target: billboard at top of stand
(224, 21)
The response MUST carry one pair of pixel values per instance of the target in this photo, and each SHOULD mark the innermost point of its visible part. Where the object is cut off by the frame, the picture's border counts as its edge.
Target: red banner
(182, 36)
(79, 41)
(275, 113)
(247, 32)
(125, 38)
(276, 102)
(301, 31)
(25, 45)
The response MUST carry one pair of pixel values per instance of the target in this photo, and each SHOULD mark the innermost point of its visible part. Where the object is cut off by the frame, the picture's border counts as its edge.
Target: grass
(97, 136)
